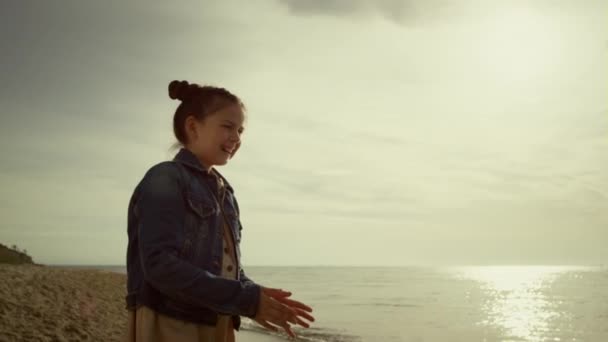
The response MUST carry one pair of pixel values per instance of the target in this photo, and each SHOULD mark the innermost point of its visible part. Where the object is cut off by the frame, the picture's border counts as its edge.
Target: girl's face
(215, 139)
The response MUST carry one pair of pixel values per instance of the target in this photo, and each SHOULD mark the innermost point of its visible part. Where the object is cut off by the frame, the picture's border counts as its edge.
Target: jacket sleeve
(244, 278)
(161, 213)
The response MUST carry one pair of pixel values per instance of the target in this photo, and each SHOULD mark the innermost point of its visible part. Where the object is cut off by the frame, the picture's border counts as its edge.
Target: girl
(185, 280)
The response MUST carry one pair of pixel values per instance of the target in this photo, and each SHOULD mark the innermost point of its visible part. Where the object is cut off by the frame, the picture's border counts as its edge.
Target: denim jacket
(175, 230)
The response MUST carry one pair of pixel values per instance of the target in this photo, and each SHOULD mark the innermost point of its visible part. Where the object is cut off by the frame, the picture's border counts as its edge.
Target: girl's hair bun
(180, 90)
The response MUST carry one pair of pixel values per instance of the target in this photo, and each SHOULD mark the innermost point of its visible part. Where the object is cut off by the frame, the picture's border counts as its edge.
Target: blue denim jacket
(175, 229)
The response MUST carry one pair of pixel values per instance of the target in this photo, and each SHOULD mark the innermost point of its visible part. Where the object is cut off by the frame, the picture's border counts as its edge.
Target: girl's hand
(299, 308)
(275, 308)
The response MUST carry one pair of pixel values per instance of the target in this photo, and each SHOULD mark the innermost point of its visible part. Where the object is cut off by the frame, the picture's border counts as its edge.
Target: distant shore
(47, 303)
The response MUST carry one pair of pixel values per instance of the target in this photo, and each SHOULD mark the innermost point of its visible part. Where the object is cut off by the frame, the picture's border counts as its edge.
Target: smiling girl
(185, 280)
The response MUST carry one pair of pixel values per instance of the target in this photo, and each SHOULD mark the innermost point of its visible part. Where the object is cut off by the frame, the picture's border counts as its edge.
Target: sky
(379, 133)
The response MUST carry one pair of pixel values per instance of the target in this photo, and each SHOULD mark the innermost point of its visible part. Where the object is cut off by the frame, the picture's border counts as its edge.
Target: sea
(465, 303)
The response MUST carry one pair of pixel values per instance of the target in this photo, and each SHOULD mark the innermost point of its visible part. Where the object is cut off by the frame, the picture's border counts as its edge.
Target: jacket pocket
(201, 208)
(198, 224)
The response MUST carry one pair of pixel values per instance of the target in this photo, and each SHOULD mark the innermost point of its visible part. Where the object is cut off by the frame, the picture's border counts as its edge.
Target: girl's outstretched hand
(300, 308)
(277, 310)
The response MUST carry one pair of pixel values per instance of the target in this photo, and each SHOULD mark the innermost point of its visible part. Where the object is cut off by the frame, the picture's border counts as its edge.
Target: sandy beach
(42, 303)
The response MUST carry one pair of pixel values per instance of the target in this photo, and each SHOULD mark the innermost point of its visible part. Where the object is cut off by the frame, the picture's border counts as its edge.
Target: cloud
(395, 132)
(399, 11)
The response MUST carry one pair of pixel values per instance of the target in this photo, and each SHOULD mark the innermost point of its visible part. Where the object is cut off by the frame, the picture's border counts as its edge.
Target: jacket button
(229, 268)
(226, 249)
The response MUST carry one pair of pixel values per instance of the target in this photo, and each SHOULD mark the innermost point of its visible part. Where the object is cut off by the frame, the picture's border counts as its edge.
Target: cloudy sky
(379, 132)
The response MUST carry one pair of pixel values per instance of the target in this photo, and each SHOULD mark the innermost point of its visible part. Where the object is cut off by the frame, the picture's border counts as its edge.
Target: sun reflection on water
(517, 299)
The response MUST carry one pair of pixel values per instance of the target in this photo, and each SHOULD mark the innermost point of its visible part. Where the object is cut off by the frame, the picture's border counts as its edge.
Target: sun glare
(517, 301)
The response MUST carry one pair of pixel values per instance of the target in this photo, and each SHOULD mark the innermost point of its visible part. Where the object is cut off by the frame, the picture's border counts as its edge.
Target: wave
(312, 334)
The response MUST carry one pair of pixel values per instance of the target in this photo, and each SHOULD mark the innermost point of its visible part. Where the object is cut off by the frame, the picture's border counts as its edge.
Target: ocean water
(490, 303)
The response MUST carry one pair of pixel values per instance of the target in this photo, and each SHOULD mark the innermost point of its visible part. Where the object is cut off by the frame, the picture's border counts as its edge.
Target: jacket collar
(186, 157)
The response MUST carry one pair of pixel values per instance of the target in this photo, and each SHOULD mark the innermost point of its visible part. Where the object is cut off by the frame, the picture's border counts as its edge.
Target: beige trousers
(147, 325)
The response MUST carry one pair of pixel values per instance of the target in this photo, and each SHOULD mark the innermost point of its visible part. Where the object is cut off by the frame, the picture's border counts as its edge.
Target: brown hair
(199, 101)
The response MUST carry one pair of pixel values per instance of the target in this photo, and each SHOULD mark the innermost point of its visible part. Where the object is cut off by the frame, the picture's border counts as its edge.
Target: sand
(42, 303)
